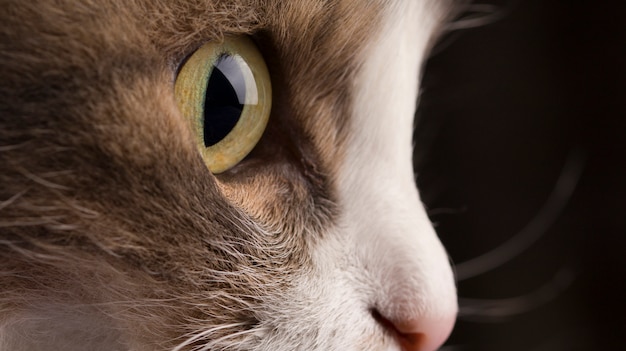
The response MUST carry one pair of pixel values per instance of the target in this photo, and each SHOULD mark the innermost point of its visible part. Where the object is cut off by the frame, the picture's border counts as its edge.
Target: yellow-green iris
(224, 91)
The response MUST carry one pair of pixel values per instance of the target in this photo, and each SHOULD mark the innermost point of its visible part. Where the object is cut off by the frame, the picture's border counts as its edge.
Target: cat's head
(116, 234)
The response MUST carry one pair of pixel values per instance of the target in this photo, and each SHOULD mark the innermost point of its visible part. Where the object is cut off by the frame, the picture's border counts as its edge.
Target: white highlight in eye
(239, 75)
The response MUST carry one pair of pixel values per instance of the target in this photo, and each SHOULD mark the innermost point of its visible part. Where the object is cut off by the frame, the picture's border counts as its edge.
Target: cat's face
(116, 236)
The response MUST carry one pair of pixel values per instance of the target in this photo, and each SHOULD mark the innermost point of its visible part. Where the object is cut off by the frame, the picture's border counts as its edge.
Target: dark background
(535, 94)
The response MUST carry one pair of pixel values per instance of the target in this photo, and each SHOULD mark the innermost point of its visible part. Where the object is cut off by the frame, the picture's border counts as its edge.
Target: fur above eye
(223, 90)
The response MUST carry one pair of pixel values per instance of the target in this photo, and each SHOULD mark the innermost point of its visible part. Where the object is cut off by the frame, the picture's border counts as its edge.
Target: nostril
(408, 341)
(421, 334)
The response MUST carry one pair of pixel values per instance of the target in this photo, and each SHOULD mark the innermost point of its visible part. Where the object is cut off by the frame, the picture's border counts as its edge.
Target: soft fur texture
(115, 236)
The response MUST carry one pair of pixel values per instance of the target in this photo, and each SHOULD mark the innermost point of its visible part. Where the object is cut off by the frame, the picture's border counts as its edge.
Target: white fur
(381, 200)
(385, 253)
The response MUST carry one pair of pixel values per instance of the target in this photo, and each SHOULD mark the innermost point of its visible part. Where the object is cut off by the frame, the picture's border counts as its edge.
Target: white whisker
(204, 334)
(549, 212)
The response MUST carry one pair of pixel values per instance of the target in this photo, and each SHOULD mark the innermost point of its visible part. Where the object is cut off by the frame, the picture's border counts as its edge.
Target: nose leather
(421, 334)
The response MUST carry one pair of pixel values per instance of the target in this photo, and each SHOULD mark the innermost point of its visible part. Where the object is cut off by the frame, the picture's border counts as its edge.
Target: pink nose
(423, 334)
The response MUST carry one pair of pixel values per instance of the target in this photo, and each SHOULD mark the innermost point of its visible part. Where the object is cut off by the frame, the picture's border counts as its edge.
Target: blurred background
(520, 151)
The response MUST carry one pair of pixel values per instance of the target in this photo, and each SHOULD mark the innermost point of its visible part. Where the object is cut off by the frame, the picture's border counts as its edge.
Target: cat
(119, 232)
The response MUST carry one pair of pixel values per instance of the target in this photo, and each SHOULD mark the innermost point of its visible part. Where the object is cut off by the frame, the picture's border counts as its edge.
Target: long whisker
(211, 345)
(549, 212)
(205, 333)
(494, 310)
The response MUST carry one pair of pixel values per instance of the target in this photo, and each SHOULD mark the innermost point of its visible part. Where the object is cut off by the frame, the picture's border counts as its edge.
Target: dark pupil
(223, 106)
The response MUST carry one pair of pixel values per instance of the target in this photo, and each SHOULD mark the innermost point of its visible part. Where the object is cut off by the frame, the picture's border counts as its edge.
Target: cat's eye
(224, 91)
